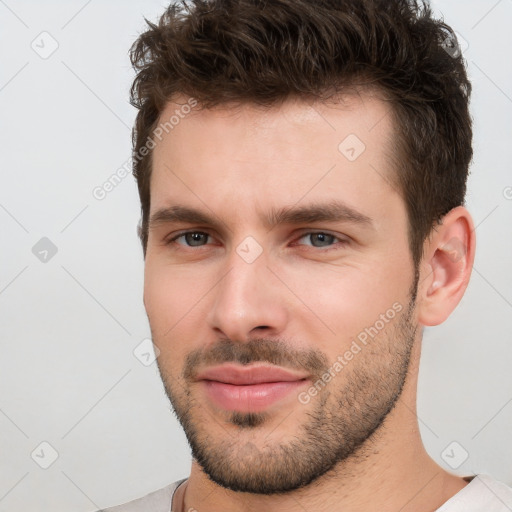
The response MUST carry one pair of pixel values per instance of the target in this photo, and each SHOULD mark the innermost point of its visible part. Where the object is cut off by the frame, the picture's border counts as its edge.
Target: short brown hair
(260, 51)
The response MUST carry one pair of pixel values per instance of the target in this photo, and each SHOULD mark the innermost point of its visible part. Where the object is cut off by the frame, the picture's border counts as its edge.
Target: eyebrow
(333, 211)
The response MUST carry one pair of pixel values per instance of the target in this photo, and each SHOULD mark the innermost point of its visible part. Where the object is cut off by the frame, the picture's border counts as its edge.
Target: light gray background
(69, 326)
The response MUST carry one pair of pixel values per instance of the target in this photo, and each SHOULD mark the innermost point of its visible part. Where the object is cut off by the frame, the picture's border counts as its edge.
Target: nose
(247, 301)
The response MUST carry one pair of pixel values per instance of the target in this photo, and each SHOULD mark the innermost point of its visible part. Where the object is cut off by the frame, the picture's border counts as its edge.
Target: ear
(448, 257)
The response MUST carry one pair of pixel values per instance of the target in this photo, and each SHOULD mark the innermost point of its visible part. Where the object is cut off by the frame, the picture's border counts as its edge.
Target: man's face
(271, 277)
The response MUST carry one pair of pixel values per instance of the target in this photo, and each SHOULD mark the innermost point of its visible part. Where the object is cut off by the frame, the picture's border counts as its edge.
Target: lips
(249, 389)
(245, 376)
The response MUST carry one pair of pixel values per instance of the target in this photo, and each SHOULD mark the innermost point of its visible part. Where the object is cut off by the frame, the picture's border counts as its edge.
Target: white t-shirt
(482, 494)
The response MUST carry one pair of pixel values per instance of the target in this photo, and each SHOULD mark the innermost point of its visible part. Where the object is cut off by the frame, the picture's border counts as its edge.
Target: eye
(190, 239)
(321, 239)
(316, 239)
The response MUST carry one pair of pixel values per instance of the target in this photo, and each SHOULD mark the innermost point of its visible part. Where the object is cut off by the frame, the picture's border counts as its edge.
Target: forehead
(276, 155)
(362, 112)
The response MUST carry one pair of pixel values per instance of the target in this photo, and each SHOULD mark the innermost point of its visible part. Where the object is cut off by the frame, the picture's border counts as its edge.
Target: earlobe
(446, 267)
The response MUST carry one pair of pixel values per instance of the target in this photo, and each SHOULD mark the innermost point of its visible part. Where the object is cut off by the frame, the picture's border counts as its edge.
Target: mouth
(249, 398)
(249, 389)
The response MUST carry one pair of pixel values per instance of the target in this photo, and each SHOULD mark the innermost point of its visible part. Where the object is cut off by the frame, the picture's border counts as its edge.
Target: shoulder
(156, 501)
(483, 494)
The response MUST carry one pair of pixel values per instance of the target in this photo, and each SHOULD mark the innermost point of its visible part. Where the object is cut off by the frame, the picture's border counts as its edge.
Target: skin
(356, 444)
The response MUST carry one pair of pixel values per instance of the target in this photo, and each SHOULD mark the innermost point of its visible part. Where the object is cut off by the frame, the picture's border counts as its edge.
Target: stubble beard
(333, 428)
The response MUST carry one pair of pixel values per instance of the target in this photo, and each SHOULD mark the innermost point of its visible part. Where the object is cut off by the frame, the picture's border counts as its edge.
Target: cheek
(157, 296)
(169, 291)
(172, 299)
(164, 300)
(338, 303)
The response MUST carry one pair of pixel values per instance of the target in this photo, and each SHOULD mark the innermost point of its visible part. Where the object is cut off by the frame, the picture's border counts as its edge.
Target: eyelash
(341, 241)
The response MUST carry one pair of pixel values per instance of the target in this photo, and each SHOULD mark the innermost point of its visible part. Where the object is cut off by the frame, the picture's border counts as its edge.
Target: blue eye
(314, 239)
(191, 238)
(320, 239)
